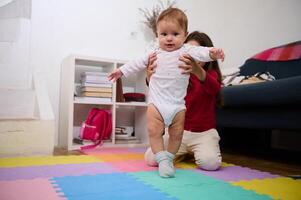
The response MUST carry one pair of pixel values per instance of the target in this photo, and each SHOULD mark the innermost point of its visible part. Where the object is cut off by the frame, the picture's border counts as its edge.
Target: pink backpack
(97, 127)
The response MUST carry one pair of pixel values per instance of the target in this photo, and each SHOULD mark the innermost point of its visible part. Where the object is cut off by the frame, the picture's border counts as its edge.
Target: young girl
(200, 137)
(167, 87)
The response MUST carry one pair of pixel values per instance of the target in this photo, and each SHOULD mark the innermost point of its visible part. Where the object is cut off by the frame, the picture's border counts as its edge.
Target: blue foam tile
(107, 187)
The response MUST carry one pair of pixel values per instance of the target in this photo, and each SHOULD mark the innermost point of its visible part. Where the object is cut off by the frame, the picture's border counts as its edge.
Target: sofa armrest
(280, 92)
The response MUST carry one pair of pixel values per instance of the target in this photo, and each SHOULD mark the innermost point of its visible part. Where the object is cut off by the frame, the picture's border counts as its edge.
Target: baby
(168, 85)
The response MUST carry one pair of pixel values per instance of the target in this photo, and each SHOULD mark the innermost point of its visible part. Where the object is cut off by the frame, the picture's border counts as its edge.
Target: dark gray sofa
(266, 105)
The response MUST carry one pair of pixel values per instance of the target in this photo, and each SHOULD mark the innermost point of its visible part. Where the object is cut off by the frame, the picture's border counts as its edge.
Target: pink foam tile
(132, 166)
(28, 190)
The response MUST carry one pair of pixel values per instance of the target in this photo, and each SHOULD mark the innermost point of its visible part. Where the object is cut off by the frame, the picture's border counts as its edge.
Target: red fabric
(201, 102)
(291, 51)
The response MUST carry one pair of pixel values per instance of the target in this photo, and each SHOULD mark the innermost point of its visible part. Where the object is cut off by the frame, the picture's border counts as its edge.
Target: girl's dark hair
(204, 40)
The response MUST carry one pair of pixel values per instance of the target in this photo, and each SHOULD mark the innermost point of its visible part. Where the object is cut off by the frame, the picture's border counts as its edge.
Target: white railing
(43, 102)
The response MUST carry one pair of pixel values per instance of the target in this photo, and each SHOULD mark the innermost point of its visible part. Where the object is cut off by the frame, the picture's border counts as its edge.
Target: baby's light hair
(174, 15)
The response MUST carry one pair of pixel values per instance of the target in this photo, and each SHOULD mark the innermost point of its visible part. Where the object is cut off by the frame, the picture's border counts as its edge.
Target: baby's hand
(216, 53)
(116, 74)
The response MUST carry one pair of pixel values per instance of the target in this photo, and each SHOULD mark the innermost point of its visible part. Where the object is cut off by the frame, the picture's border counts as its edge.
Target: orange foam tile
(119, 157)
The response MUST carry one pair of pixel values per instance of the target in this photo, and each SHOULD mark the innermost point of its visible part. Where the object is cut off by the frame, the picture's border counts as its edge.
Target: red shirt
(201, 102)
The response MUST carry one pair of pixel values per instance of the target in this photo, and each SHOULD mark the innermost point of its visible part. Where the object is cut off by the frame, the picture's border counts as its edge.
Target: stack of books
(123, 132)
(96, 85)
(125, 135)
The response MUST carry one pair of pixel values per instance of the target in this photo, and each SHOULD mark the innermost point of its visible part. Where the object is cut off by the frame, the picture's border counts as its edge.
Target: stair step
(17, 104)
(9, 29)
(15, 9)
(5, 2)
(5, 52)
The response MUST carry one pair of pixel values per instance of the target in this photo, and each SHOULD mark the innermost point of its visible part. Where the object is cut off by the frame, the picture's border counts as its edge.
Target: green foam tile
(194, 186)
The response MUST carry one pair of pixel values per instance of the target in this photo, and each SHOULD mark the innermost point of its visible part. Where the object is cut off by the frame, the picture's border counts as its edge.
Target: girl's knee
(149, 158)
(208, 162)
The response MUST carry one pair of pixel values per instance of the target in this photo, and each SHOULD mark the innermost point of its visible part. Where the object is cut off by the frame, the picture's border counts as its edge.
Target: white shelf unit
(73, 109)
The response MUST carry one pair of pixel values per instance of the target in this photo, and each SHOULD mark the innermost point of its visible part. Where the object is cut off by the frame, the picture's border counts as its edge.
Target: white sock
(165, 162)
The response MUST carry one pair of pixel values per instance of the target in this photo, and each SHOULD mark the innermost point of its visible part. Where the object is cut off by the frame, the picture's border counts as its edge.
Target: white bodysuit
(167, 86)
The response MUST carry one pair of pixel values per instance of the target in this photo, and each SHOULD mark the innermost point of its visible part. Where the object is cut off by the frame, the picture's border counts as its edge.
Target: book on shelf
(125, 137)
(97, 94)
(86, 142)
(92, 99)
(95, 77)
(101, 85)
(124, 131)
(89, 73)
(128, 141)
(96, 89)
(119, 91)
(98, 80)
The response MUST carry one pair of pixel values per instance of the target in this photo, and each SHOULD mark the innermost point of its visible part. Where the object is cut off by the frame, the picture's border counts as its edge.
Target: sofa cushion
(279, 69)
(282, 92)
(282, 61)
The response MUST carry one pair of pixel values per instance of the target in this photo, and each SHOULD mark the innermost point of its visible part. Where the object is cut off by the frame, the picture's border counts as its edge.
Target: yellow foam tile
(226, 164)
(46, 160)
(192, 165)
(186, 165)
(277, 188)
(119, 157)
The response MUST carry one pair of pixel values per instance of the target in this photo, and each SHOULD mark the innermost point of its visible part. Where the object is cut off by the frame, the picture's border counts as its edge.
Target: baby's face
(171, 35)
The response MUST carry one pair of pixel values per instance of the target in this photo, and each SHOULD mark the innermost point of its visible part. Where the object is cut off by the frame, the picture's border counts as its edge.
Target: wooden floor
(271, 165)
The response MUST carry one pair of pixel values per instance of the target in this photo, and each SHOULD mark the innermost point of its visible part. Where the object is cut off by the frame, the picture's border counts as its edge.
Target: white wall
(244, 28)
(113, 29)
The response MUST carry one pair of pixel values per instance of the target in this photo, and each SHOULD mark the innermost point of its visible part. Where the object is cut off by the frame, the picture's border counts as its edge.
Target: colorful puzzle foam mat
(121, 174)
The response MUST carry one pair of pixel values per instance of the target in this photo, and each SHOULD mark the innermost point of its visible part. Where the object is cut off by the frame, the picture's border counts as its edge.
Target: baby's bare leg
(155, 127)
(175, 131)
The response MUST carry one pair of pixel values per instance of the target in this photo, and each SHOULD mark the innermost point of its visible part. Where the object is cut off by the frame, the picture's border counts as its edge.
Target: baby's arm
(216, 53)
(129, 68)
(114, 75)
(205, 54)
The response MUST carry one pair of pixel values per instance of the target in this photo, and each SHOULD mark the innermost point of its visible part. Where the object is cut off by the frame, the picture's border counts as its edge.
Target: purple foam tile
(55, 171)
(237, 173)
